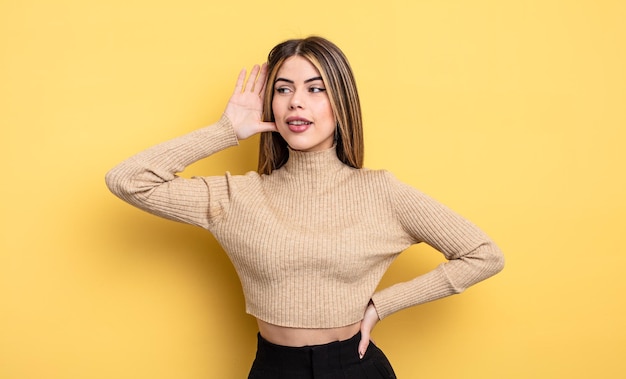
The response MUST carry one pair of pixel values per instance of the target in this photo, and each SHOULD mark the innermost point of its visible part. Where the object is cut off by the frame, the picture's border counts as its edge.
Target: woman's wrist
(371, 306)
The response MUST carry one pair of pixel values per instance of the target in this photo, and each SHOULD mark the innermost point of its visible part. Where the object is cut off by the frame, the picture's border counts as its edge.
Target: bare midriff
(297, 337)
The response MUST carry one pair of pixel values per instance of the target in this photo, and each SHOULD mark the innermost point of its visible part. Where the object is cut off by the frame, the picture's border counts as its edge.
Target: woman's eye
(282, 90)
(317, 89)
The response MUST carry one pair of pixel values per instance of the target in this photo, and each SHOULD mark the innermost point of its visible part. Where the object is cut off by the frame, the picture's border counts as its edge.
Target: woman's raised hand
(245, 107)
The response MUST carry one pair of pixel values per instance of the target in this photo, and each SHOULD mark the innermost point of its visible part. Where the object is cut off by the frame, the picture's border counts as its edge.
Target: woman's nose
(295, 101)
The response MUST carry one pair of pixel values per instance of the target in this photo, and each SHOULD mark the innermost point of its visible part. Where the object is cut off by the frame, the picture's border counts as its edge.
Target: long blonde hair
(344, 99)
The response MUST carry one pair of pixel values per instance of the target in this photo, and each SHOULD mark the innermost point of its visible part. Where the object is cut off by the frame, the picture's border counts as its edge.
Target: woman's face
(302, 111)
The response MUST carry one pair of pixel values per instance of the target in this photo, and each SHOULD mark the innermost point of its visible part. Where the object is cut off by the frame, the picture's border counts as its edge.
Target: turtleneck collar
(316, 164)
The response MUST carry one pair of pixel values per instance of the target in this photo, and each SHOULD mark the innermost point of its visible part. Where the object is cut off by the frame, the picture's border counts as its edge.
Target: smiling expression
(301, 106)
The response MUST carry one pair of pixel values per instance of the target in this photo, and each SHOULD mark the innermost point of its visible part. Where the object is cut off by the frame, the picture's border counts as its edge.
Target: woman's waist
(298, 337)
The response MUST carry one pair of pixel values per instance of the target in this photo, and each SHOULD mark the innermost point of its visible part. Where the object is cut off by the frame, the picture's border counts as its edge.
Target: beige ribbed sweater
(311, 241)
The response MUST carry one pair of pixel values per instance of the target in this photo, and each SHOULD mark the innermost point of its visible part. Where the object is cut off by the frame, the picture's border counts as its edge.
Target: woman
(312, 233)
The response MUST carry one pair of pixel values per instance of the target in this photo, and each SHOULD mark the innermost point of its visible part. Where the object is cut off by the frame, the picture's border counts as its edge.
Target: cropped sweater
(310, 241)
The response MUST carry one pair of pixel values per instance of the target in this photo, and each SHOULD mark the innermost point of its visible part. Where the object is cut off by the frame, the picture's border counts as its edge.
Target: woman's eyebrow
(283, 80)
(291, 81)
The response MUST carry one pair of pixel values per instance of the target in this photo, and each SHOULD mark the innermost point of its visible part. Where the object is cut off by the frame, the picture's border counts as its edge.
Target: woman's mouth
(298, 125)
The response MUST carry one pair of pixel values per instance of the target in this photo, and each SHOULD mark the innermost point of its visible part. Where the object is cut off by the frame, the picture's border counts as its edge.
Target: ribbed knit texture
(311, 241)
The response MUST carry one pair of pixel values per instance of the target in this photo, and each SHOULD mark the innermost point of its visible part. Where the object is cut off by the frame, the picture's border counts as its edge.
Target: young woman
(312, 232)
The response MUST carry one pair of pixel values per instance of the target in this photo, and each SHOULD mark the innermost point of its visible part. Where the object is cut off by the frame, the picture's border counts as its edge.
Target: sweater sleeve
(149, 180)
(472, 256)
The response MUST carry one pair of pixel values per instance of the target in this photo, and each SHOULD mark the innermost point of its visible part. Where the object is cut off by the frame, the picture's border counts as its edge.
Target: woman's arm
(149, 179)
(472, 256)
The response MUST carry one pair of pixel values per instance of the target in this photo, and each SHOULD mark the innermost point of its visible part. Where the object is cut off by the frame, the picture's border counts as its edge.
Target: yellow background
(512, 113)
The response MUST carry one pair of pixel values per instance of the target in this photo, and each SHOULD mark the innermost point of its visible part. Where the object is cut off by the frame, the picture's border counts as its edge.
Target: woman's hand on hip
(370, 318)
(245, 107)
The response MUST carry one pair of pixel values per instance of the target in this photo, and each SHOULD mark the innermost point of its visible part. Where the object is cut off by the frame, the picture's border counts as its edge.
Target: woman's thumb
(268, 127)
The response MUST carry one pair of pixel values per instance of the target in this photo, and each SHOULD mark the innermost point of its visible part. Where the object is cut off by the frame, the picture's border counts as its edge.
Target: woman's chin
(309, 146)
(299, 145)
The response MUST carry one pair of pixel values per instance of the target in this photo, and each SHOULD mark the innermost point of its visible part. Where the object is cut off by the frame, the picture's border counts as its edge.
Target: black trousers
(335, 360)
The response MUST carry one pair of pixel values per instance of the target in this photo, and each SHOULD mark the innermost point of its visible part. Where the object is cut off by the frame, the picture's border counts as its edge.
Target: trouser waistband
(330, 356)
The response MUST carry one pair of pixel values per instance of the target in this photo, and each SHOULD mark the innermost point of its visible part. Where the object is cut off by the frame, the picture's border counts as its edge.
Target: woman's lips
(298, 124)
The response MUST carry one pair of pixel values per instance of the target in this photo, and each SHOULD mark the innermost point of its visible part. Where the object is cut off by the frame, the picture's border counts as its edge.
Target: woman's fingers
(245, 107)
(252, 78)
(240, 81)
(259, 89)
(370, 319)
(255, 82)
(364, 343)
